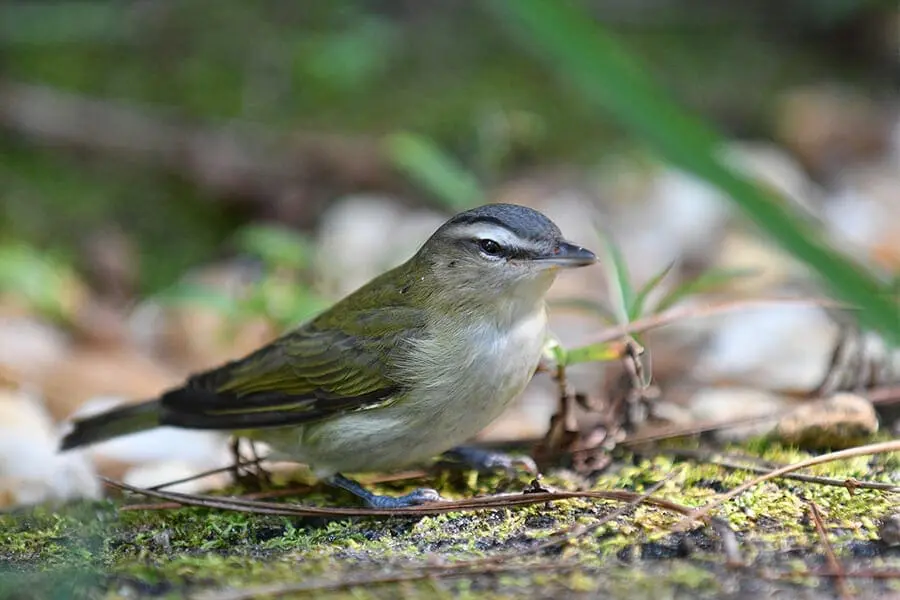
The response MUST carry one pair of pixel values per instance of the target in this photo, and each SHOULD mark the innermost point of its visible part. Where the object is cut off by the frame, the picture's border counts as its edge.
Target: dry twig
(693, 312)
(850, 484)
(433, 508)
(833, 564)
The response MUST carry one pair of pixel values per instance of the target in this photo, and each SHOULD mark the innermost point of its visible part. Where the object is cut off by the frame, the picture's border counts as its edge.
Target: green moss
(90, 548)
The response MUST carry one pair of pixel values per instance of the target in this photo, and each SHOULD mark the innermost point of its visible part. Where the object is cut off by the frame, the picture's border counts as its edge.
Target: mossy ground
(91, 549)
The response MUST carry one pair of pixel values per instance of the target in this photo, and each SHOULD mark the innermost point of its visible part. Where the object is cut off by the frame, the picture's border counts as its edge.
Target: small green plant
(631, 303)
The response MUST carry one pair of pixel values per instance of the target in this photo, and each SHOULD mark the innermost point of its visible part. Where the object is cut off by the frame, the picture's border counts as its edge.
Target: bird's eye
(489, 247)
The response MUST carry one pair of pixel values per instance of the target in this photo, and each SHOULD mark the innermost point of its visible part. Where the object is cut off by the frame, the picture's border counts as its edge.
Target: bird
(406, 368)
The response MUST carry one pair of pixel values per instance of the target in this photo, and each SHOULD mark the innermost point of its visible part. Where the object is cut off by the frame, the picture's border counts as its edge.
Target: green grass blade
(620, 280)
(584, 54)
(425, 163)
(637, 308)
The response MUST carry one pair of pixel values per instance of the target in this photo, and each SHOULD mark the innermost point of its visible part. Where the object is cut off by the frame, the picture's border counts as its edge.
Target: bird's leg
(488, 460)
(241, 474)
(235, 447)
(261, 474)
(414, 498)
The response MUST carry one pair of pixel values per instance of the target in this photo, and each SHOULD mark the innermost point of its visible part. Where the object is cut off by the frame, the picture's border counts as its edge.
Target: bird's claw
(414, 498)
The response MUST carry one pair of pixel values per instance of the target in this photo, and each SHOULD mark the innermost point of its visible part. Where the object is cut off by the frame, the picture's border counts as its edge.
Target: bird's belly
(451, 406)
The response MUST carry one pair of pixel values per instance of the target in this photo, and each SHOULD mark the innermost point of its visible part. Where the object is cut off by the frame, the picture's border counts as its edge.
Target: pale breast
(465, 378)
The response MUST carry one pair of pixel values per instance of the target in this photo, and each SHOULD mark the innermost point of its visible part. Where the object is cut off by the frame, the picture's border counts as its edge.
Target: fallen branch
(433, 508)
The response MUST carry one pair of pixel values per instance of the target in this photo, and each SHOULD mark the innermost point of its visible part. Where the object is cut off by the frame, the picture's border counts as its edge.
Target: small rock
(110, 264)
(841, 421)
(99, 324)
(31, 468)
(889, 532)
(29, 345)
(775, 169)
(680, 217)
(163, 540)
(195, 338)
(767, 266)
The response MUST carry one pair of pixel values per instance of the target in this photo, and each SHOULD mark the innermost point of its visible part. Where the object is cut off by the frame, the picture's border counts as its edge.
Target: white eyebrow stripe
(501, 235)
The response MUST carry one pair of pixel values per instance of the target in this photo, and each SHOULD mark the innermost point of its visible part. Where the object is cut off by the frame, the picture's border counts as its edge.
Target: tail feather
(112, 423)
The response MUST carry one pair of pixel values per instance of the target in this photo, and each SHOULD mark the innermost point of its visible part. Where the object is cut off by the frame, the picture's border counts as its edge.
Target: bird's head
(498, 255)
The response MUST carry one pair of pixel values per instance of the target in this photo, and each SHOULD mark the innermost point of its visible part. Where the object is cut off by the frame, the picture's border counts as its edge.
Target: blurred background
(182, 181)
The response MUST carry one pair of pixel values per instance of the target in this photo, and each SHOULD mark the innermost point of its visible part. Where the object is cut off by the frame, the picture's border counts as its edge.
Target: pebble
(29, 345)
(31, 469)
(841, 421)
(830, 126)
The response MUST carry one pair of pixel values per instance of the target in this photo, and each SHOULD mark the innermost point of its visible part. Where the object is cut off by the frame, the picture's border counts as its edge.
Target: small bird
(407, 367)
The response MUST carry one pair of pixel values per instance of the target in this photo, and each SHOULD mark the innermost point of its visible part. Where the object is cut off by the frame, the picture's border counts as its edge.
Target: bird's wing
(311, 373)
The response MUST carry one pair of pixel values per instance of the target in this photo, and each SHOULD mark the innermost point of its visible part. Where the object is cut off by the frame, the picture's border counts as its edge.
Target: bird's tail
(112, 423)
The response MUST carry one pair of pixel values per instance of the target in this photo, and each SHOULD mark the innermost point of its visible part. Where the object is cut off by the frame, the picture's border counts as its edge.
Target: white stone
(31, 468)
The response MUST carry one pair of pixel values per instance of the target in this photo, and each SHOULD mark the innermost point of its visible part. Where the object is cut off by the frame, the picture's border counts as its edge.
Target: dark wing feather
(312, 373)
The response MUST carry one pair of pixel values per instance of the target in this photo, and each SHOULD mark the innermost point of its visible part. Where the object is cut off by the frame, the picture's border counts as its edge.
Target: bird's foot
(414, 498)
(488, 460)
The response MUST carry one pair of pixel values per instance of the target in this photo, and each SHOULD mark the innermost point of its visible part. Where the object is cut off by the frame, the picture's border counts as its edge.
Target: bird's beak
(567, 256)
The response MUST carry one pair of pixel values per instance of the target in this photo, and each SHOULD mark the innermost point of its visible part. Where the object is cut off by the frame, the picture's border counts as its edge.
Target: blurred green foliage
(441, 71)
(281, 293)
(631, 302)
(37, 280)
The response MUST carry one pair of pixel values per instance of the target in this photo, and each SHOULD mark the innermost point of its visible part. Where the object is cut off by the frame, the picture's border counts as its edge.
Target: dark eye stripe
(508, 252)
(519, 253)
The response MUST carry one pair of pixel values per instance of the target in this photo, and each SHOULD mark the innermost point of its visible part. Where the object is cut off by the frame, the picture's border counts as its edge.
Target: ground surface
(89, 550)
